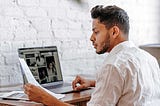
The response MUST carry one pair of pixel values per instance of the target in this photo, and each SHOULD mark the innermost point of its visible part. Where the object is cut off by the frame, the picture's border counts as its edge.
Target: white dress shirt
(129, 77)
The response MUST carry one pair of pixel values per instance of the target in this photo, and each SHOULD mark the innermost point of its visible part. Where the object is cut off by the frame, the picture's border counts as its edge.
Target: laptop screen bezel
(34, 49)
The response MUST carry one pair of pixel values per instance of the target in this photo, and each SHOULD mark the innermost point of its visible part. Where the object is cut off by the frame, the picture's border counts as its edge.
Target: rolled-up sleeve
(109, 86)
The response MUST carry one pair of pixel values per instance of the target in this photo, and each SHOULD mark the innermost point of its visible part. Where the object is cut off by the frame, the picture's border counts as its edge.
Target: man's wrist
(92, 83)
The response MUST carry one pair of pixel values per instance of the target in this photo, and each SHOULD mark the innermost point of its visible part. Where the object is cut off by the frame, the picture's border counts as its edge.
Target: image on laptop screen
(43, 63)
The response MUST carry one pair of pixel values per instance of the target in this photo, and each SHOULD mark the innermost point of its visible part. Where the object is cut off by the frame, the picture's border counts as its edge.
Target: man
(129, 76)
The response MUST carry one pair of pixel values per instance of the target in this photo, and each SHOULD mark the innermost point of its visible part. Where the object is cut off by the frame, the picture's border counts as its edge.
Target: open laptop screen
(43, 63)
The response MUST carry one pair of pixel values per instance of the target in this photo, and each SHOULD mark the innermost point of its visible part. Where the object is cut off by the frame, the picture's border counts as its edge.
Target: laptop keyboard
(63, 88)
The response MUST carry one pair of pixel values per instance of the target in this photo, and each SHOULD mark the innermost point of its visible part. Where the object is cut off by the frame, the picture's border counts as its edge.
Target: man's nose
(92, 37)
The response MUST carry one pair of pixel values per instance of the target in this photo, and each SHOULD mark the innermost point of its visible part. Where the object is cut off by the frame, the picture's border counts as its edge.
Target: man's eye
(96, 32)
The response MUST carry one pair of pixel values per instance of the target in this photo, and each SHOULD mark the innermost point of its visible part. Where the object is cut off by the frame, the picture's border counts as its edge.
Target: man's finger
(79, 87)
(74, 83)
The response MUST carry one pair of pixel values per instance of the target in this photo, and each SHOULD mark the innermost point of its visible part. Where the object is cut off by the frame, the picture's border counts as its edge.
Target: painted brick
(49, 3)
(13, 11)
(8, 3)
(5, 35)
(60, 24)
(28, 2)
(35, 12)
(41, 24)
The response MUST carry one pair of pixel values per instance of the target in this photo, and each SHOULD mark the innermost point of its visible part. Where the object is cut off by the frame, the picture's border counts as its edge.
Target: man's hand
(84, 83)
(37, 94)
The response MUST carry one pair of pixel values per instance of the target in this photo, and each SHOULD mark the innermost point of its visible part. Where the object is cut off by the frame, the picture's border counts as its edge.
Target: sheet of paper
(31, 79)
(14, 95)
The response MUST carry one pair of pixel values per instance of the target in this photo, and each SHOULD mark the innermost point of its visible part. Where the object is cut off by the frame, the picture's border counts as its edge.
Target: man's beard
(105, 46)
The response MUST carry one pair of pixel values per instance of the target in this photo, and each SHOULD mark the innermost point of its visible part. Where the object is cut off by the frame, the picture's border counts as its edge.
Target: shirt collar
(121, 46)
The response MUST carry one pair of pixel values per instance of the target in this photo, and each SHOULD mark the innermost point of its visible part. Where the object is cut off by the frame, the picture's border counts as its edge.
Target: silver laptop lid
(43, 63)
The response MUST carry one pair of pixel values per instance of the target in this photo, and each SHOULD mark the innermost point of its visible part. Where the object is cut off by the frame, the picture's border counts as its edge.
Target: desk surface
(77, 98)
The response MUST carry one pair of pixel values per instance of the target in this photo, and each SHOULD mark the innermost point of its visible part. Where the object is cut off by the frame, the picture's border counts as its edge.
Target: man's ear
(115, 31)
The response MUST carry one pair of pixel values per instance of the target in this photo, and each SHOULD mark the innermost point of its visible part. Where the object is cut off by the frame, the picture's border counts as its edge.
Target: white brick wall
(66, 24)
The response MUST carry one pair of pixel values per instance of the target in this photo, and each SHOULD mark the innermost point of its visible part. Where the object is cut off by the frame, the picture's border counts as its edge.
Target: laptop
(45, 66)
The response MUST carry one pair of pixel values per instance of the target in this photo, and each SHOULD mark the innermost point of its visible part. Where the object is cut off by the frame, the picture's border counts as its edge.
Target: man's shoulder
(123, 58)
(128, 55)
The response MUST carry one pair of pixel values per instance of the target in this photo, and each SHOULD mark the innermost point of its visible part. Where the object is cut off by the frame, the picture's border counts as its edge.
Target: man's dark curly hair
(110, 16)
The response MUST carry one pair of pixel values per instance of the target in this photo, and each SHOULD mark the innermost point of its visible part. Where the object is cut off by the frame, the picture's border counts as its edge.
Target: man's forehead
(96, 23)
